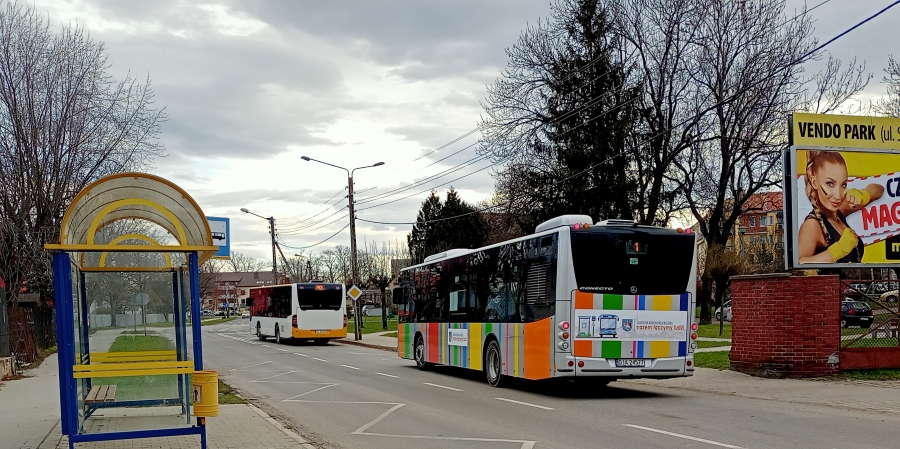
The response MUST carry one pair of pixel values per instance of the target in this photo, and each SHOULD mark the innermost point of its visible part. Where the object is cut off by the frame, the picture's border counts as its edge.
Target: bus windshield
(319, 297)
(632, 261)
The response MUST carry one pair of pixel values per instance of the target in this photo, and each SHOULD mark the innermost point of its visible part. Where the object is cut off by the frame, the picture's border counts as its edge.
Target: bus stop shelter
(127, 301)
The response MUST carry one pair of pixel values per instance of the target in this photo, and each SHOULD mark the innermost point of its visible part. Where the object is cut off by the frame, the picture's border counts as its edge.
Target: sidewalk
(29, 419)
(375, 340)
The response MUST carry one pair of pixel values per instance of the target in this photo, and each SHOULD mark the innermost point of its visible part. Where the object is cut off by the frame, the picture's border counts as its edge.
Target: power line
(316, 244)
(324, 202)
(726, 101)
(307, 230)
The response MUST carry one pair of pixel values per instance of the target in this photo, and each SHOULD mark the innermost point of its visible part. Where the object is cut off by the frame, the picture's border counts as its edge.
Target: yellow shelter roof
(139, 196)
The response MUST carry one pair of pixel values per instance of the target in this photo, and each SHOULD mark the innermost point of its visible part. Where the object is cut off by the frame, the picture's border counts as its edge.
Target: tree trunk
(705, 300)
(384, 320)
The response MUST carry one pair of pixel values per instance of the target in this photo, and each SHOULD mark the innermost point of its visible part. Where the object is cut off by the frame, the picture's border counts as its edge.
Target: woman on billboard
(824, 236)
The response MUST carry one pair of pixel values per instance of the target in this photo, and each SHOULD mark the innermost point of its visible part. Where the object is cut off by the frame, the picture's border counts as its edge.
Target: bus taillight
(294, 320)
(564, 325)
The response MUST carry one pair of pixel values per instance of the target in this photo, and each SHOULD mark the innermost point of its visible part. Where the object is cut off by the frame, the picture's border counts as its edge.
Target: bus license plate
(631, 363)
(321, 332)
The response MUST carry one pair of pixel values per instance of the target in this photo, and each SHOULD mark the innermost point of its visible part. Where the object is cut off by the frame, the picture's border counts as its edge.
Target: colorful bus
(311, 311)
(575, 300)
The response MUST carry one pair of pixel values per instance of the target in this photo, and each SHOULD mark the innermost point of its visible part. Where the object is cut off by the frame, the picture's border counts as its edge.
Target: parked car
(728, 315)
(890, 296)
(856, 313)
(220, 313)
(245, 314)
(871, 290)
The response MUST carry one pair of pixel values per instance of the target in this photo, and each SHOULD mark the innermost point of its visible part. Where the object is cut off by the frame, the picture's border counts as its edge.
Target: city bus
(574, 300)
(308, 311)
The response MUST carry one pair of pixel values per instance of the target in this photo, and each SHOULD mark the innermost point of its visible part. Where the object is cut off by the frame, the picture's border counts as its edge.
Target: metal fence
(869, 314)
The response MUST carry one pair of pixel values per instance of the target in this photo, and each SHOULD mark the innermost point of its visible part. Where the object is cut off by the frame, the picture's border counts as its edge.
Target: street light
(353, 266)
(300, 268)
(272, 232)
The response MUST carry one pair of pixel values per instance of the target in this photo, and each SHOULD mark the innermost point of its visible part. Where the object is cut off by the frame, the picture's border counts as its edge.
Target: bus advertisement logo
(458, 337)
(627, 324)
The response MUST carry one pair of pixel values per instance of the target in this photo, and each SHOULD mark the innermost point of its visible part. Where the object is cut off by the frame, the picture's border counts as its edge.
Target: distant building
(234, 288)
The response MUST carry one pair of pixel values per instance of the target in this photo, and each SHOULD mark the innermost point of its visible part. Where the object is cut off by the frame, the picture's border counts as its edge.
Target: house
(761, 225)
(234, 288)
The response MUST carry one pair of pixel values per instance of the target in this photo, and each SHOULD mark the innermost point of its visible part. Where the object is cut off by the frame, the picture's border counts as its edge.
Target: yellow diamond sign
(354, 293)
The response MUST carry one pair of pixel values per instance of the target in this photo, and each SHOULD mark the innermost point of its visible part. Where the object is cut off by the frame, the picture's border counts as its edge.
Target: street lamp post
(353, 265)
(272, 232)
(300, 268)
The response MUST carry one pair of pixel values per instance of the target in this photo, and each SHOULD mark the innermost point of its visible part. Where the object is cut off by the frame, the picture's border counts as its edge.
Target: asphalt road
(343, 396)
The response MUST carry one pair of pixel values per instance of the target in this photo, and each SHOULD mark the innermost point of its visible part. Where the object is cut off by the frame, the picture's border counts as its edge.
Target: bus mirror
(397, 296)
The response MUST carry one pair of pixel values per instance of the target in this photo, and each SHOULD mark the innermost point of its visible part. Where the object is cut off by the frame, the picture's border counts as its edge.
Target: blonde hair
(814, 161)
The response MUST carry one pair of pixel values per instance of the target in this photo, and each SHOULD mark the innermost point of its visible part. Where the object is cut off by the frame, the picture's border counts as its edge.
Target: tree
(890, 104)
(721, 264)
(65, 123)
(240, 263)
(376, 269)
(559, 119)
(445, 225)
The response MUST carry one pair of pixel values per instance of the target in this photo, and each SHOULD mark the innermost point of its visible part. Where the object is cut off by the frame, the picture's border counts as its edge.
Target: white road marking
(377, 419)
(321, 360)
(266, 346)
(363, 353)
(251, 366)
(351, 367)
(441, 386)
(387, 375)
(270, 377)
(525, 403)
(686, 437)
(301, 355)
(282, 350)
(294, 398)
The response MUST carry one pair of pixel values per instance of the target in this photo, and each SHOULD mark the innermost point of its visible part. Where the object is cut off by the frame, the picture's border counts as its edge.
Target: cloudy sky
(250, 86)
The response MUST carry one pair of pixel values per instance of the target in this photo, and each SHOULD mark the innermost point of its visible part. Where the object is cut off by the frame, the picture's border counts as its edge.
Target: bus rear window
(320, 297)
(632, 261)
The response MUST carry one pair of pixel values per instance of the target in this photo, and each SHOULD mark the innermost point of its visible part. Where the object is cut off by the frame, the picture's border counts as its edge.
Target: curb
(303, 443)
(366, 345)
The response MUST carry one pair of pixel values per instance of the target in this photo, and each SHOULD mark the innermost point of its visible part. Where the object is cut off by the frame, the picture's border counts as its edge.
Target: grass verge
(872, 374)
(372, 324)
(712, 331)
(218, 321)
(712, 344)
(391, 334)
(227, 395)
(136, 388)
(716, 360)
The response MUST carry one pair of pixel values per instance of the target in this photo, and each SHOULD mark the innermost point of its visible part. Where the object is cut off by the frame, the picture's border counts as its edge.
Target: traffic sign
(354, 293)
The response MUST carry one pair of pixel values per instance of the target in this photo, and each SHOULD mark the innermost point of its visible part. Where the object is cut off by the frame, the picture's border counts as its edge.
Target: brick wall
(785, 326)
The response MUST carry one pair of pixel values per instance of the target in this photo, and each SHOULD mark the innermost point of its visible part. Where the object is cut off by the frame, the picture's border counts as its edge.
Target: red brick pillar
(785, 326)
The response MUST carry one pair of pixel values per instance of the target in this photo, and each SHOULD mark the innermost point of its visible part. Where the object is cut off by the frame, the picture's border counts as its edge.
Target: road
(343, 396)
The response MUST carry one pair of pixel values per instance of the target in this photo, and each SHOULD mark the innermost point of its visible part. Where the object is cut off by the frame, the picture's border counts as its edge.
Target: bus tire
(259, 334)
(492, 364)
(277, 335)
(419, 354)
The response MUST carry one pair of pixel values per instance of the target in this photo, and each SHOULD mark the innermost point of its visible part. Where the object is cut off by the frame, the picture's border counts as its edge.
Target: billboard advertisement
(843, 184)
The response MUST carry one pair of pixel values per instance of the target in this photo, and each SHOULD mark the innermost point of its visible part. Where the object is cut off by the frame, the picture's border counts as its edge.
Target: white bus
(311, 311)
(604, 301)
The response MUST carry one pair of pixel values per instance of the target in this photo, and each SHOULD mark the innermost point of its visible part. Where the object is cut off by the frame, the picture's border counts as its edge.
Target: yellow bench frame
(132, 369)
(138, 356)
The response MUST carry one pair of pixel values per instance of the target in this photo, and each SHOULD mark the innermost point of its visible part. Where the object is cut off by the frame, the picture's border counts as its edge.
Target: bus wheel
(419, 354)
(277, 335)
(259, 334)
(492, 367)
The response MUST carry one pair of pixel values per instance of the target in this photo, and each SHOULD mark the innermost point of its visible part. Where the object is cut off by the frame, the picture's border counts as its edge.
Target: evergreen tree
(430, 236)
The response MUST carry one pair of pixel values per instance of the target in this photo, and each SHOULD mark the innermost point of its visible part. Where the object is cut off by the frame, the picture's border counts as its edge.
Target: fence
(869, 314)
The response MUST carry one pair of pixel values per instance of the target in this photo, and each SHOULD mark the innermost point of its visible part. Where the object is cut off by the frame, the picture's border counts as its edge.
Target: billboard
(220, 228)
(842, 186)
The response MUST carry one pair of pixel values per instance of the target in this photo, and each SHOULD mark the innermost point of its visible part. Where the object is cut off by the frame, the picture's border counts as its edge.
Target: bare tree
(65, 123)
(377, 271)
(890, 104)
(241, 262)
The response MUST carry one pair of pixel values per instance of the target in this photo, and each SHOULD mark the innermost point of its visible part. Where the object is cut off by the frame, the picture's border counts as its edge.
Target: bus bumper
(596, 367)
(325, 333)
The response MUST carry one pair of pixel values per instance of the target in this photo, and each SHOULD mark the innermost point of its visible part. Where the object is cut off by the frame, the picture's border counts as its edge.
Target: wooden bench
(101, 393)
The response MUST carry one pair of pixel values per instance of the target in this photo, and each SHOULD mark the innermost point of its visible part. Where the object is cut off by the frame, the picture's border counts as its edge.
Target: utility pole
(274, 260)
(354, 268)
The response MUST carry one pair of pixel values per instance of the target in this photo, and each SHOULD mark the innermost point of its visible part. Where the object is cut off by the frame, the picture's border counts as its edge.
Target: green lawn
(717, 360)
(227, 395)
(136, 388)
(372, 324)
(712, 344)
(712, 331)
(872, 374)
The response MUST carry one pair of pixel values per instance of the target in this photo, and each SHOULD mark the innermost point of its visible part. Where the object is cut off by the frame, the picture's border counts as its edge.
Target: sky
(250, 86)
